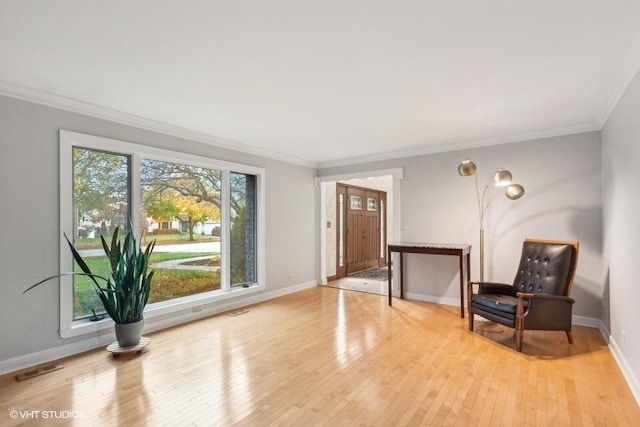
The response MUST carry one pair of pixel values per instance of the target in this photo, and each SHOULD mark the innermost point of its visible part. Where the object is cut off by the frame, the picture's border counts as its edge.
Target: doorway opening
(361, 229)
(333, 208)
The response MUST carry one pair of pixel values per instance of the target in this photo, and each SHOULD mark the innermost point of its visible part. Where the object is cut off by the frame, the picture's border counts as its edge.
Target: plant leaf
(70, 273)
(125, 294)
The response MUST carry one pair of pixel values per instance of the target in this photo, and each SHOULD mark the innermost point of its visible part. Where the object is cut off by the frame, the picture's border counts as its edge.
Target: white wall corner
(627, 372)
(623, 80)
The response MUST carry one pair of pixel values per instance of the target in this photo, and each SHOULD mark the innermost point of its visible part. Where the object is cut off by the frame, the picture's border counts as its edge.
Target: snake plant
(125, 293)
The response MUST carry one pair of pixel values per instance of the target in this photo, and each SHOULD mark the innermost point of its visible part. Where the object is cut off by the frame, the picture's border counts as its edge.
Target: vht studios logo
(15, 414)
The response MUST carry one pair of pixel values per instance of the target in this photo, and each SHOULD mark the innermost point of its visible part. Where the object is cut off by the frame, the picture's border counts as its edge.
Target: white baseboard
(434, 299)
(65, 350)
(627, 372)
(590, 322)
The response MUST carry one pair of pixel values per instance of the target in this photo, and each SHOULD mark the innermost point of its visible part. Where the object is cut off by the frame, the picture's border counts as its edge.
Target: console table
(461, 251)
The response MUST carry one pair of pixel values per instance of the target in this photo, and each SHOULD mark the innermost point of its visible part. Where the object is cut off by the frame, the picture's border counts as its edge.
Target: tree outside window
(180, 208)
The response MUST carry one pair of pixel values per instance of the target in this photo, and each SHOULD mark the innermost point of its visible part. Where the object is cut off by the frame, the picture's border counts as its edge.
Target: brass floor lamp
(501, 178)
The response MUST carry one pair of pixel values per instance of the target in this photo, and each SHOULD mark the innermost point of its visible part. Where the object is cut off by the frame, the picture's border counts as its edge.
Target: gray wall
(561, 177)
(621, 218)
(29, 219)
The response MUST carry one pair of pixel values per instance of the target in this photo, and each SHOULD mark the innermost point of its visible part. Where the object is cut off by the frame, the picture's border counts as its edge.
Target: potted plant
(125, 293)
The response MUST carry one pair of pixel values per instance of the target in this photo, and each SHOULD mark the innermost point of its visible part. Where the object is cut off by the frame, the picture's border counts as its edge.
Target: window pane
(243, 229)
(181, 211)
(100, 204)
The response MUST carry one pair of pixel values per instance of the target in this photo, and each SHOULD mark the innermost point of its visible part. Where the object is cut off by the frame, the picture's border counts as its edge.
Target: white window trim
(68, 140)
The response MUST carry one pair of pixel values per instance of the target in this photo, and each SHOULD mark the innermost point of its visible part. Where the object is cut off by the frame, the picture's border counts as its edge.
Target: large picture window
(181, 212)
(205, 216)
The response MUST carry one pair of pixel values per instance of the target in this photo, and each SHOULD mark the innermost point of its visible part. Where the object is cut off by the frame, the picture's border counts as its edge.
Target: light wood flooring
(328, 357)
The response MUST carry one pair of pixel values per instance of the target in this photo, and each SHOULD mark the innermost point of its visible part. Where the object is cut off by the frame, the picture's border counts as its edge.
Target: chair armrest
(548, 297)
(520, 306)
(551, 297)
(545, 311)
(526, 294)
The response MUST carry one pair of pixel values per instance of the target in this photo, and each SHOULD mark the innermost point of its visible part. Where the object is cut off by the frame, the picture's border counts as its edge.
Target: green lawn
(168, 283)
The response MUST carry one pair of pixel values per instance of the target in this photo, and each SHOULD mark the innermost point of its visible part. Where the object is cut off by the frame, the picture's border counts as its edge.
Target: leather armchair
(539, 298)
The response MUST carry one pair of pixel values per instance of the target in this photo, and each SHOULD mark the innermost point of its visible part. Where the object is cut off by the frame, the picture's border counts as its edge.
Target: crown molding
(24, 93)
(395, 172)
(626, 74)
(465, 145)
(632, 64)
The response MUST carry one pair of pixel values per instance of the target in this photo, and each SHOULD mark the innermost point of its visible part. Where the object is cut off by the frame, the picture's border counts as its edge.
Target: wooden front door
(371, 237)
(359, 246)
(356, 229)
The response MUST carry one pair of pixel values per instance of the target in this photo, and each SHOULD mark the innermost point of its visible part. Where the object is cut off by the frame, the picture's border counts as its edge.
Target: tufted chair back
(546, 268)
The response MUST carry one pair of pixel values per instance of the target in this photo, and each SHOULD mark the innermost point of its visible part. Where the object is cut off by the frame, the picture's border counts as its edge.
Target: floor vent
(37, 372)
(237, 313)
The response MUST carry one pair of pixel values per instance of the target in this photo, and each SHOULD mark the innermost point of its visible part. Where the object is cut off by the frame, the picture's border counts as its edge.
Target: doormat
(378, 274)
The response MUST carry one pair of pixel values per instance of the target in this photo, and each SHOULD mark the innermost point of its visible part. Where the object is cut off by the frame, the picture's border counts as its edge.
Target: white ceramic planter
(129, 334)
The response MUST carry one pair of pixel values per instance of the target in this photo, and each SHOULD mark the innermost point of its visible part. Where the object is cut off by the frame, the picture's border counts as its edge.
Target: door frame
(344, 240)
(393, 211)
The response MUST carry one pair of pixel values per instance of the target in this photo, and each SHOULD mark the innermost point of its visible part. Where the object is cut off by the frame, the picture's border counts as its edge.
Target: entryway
(372, 285)
(372, 280)
(357, 219)
(361, 229)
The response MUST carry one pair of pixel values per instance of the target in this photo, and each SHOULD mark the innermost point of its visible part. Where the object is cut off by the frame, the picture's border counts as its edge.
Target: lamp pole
(501, 178)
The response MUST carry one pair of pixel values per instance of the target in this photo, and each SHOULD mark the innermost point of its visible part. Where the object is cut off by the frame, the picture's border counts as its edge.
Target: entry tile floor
(360, 285)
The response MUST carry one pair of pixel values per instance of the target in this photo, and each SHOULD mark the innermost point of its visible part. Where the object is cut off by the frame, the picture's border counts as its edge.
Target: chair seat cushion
(497, 303)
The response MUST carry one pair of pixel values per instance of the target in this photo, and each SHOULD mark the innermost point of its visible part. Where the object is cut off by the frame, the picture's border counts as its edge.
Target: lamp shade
(502, 178)
(514, 191)
(466, 168)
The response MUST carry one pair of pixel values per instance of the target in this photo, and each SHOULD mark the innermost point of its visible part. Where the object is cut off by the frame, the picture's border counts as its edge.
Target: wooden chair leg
(469, 296)
(570, 336)
(519, 338)
(519, 326)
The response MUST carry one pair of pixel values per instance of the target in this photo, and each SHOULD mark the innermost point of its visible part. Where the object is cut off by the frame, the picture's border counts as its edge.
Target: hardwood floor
(328, 357)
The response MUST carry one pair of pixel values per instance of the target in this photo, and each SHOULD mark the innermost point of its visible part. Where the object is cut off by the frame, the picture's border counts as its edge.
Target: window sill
(163, 309)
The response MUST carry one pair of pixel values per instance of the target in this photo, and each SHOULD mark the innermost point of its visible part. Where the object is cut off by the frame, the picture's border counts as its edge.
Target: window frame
(68, 140)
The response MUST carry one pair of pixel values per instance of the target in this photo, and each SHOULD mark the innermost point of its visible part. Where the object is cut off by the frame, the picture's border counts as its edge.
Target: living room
(578, 177)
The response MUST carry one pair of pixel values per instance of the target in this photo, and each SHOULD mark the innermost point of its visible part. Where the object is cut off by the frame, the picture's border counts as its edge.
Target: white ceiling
(327, 82)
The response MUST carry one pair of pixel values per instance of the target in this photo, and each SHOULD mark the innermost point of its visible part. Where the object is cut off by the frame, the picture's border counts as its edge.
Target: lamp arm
(481, 206)
(489, 202)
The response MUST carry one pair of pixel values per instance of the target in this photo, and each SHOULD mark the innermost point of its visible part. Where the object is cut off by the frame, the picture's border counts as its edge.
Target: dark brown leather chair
(539, 297)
